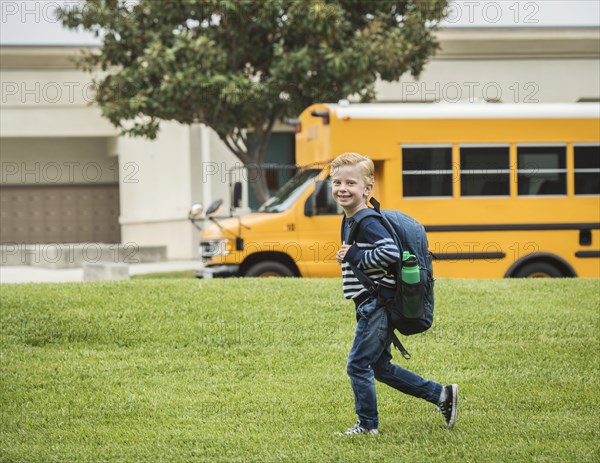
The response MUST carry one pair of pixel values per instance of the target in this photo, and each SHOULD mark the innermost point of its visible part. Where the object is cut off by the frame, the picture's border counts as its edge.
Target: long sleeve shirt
(372, 252)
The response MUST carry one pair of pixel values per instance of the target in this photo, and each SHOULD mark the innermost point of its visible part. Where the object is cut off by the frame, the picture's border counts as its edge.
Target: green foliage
(254, 370)
(237, 65)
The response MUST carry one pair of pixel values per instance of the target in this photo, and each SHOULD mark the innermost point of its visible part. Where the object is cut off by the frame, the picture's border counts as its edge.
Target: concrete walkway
(30, 274)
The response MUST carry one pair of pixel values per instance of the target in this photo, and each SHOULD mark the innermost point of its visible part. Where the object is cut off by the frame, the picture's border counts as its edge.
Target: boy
(352, 177)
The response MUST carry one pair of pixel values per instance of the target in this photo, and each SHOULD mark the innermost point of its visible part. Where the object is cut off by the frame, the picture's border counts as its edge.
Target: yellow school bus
(503, 190)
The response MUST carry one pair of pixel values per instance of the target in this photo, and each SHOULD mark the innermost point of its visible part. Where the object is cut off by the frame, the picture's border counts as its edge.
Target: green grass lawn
(165, 275)
(246, 370)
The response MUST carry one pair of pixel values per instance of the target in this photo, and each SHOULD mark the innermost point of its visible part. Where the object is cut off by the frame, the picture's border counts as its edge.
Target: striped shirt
(372, 252)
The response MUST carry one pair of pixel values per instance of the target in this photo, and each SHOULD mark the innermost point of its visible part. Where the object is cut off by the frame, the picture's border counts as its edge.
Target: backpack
(410, 310)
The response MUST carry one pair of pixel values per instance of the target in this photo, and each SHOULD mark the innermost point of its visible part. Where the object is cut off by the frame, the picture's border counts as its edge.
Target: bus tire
(538, 270)
(269, 269)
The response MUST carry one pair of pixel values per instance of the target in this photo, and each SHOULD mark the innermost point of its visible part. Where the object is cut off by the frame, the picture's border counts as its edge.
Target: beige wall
(155, 192)
(510, 81)
(48, 103)
(513, 65)
(162, 178)
(46, 87)
(57, 161)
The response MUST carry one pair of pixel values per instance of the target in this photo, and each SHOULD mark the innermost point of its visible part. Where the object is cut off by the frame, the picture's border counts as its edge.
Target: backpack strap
(388, 226)
(376, 204)
(398, 345)
(367, 282)
(355, 221)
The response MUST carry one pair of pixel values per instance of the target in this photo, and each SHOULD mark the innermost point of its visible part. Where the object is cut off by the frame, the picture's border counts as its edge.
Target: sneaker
(358, 429)
(449, 407)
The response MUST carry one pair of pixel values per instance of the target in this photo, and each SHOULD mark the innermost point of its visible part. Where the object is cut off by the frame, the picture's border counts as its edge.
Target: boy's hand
(341, 253)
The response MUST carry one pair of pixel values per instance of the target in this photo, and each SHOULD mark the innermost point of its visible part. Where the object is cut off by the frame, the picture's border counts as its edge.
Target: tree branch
(235, 149)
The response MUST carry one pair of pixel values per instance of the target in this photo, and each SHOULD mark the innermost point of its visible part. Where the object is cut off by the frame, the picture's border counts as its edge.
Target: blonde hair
(366, 166)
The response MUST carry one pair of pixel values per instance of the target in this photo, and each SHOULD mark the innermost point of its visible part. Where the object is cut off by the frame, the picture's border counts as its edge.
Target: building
(68, 176)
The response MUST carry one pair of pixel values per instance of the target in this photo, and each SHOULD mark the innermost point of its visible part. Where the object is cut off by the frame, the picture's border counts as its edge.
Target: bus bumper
(218, 271)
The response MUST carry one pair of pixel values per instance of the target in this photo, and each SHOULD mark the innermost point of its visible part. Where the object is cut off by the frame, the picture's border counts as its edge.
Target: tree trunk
(257, 179)
(253, 156)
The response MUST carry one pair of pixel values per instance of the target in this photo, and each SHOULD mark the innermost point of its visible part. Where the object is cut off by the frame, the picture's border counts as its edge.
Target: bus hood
(254, 223)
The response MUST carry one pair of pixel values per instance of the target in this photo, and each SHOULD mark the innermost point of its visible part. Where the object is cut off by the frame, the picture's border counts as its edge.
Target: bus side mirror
(310, 206)
(195, 211)
(237, 194)
(239, 243)
(214, 207)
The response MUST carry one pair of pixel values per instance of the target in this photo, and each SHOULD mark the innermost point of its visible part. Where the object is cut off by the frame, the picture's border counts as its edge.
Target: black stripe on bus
(514, 227)
(585, 254)
(468, 255)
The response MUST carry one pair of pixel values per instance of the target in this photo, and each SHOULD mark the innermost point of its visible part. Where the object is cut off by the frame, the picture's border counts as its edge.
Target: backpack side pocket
(413, 300)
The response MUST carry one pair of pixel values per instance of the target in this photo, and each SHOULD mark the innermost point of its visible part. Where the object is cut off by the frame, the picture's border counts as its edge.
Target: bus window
(427, 171)
(484, 171)
(542, 170)
(324, 202)
(587, 169)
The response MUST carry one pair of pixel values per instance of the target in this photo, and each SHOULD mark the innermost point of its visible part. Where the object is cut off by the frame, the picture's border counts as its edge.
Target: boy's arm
(383, 254)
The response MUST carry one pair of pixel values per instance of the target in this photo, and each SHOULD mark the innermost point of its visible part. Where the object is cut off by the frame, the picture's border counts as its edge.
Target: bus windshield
(289, 193)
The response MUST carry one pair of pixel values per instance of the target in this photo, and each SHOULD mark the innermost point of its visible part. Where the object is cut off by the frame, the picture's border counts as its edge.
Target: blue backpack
(410, 310)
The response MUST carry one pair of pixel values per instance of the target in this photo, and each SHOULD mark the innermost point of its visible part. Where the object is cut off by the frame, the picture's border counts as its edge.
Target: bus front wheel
(538, 270)
(269, 269)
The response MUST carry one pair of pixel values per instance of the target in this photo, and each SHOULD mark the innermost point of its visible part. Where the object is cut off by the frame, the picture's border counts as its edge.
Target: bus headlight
(212, 248)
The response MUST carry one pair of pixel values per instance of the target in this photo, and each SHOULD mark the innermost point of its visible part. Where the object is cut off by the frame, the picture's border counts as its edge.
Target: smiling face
(349, 188)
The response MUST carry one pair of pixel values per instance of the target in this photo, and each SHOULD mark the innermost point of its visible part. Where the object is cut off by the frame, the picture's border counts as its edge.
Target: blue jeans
(370, 359)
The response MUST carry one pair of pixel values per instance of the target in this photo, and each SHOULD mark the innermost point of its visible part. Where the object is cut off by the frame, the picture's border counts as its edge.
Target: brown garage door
(59, 214)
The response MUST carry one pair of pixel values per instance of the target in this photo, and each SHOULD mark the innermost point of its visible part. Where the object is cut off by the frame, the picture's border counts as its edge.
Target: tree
(240, 66)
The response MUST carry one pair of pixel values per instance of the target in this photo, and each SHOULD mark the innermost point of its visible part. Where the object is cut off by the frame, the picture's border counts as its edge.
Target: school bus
(503, 190)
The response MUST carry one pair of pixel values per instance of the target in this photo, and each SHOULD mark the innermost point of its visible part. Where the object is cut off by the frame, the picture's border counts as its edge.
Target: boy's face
(349, 189)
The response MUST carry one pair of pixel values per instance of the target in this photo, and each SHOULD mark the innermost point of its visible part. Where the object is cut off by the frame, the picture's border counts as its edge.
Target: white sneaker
(358, 429)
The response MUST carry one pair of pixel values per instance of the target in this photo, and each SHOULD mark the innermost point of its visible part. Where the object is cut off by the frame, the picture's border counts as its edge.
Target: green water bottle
(411, 273)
